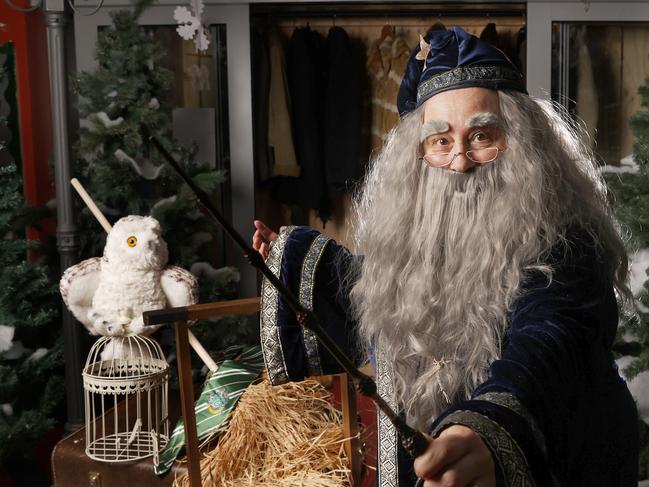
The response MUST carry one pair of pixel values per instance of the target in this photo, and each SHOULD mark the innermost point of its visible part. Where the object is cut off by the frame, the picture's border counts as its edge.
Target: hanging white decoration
(38, 354)
(627, 164)
(639, 270)
(106, 120)
(145, 168)
(6, 337)
(154, 104)
(163, 204)
(7, 409)
(16, 350)
(191, 24)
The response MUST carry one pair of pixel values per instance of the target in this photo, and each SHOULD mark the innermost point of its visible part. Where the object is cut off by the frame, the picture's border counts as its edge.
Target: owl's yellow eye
(131, 241)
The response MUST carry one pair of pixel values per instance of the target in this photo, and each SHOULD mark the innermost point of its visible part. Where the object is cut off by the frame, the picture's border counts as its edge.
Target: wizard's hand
(262, 238)
(459, 458)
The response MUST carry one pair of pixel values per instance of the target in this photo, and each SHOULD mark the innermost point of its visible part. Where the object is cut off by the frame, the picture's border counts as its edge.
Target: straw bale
(279, 436)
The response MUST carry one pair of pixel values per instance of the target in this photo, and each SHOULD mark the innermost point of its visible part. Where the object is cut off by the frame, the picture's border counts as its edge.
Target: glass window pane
(597, 69)
(200, 106)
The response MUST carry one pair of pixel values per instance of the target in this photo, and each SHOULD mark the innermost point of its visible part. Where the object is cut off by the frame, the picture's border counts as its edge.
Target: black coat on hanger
(306, 72)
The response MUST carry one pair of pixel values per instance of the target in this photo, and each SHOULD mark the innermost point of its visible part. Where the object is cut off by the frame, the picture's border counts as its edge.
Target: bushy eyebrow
(484, 119)
(433, 127)
(481, 119)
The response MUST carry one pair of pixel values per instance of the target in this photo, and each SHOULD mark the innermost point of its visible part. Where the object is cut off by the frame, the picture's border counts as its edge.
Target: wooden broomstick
(412, 440)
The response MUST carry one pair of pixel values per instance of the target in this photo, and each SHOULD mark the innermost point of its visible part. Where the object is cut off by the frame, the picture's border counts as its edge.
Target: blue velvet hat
(452, 59)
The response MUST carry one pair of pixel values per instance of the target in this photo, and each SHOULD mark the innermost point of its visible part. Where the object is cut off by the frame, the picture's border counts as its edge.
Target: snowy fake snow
(6, 337)
(627, 164)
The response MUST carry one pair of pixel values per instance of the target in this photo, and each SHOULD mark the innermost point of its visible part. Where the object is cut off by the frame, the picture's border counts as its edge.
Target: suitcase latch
(95, 479)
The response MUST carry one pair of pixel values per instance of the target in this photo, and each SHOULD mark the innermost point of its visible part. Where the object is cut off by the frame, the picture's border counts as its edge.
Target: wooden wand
(412, 440)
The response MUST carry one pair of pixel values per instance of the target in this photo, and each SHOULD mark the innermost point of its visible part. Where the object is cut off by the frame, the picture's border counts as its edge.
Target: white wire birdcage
(130, 375)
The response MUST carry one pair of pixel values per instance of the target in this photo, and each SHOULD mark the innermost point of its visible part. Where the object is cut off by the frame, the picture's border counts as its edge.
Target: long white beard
(444, 254)
(436, 294)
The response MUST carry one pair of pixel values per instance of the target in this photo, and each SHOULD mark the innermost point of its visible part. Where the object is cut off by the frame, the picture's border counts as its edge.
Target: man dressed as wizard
(484, 286)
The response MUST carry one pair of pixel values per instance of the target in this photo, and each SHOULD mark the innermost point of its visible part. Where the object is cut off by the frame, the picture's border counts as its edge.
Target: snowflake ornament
(191, 25)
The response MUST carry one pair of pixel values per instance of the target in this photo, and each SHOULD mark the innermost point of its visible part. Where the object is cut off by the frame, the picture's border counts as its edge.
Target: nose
(460, 162)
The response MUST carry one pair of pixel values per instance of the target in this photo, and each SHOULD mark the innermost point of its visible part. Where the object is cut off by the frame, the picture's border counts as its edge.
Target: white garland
(628, 164)
(6, 337)
(145, 169)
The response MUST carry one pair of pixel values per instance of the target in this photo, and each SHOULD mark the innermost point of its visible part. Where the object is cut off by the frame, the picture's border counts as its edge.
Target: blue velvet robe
(553, 409)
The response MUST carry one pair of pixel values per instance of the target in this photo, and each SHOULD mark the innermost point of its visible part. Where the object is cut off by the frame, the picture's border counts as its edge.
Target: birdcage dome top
(123, 364)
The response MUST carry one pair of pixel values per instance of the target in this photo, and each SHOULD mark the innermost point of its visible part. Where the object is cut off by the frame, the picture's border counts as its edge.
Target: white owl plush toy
(109, 294)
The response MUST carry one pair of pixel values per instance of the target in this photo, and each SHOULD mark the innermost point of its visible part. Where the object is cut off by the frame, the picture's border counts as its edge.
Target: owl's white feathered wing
(77, 286)
(179, 285)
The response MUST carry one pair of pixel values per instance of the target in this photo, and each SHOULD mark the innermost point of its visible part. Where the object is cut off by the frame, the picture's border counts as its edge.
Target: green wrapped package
(216, 403)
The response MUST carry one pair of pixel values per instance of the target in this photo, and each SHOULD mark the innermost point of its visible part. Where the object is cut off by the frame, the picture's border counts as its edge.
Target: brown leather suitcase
(71, 467)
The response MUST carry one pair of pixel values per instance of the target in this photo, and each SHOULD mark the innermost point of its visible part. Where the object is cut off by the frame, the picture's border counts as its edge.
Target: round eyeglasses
(479, 156)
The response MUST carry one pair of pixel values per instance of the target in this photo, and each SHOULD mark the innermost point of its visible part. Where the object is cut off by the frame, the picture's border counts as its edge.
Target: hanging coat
(386, 65)
(342, 125)
(306, 78)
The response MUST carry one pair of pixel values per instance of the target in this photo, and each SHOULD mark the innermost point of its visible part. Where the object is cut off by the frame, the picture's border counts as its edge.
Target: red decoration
(28, 33)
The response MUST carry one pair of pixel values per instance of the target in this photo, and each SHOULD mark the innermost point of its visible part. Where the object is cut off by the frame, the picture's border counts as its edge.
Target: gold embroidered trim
(388, 464)
(268, 330)
(506, 451)
(468, 73)
(307, 281)
(509, 401)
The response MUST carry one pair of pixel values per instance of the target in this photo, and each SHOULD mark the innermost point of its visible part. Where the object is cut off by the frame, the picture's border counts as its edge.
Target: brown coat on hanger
(388, 30)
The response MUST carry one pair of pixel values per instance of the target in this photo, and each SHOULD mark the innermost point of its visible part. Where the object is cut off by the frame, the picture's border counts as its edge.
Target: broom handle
(94, 209)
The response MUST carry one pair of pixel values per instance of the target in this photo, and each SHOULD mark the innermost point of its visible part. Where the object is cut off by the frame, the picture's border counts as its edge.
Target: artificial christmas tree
(629, 187)
(121, 103)
(31, 345)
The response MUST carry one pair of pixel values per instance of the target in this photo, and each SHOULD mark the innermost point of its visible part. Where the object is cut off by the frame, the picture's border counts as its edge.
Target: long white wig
(444, 254)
